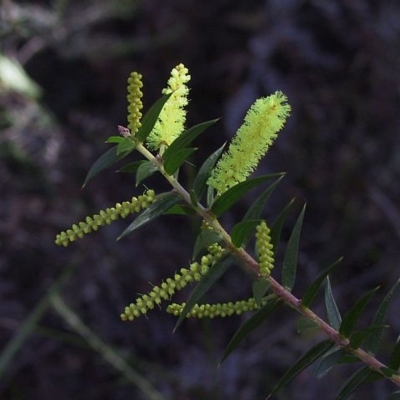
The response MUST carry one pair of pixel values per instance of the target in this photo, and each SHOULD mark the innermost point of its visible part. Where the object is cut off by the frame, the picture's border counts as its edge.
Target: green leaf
(210, 195)
(204, 239)
(180, 209)
(125, 145)
(313, 289)
(357, 338)
(276, 228)
(394, 362)
(186, 137)
(176, 159)
(394, 396)
(242, 230)
(353, 315)
(372, 343)
(163, 203)
(109, 158)
(290, 258)
(332, 311)
(328, 361)
(250, 325)
(308, 358)
(260, 288)
(132, 167)
(235, 193)
(150, 118)
(207, 281)
(200, 182)
(145, 170)
(115, 139)
(358, 378)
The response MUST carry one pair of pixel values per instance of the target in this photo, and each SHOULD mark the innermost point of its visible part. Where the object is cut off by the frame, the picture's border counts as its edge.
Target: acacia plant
(222, 180)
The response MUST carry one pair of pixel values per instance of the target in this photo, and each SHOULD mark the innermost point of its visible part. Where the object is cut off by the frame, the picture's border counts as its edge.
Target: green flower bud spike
(171, 121)
(265, 118)
(216, 310)
(264, 249)
(168, 287)
(105, 217)
(134, 102)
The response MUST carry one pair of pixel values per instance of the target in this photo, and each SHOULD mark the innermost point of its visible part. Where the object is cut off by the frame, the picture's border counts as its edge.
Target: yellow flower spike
(105, 217)
(265, 118)
(264, 248)
(171, 121)
(134, 102)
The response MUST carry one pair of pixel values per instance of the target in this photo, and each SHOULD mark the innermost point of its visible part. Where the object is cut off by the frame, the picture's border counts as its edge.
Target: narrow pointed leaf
(145, 170)
(187, 137)
(180, 209)
(357, 338)
(109, 158)
(163, 203)
(125, 145)
(210, 195)
(150, 118)
(394, 362)
(328, 361)
(176, 159)
(243, 230)
(235, 193)
(200, 182)
(276, 228)
(290, 258)
(332, 311)
(250, 325)
(351, 318)
(204, 239)
(313, 289)
(208, 280)
(358, 378)
(260, 288)
(132, 167)
(307, 359)
(115, 139)
(372, 343)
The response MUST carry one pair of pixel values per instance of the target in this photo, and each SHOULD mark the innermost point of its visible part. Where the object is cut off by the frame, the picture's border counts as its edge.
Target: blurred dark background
(63, 71)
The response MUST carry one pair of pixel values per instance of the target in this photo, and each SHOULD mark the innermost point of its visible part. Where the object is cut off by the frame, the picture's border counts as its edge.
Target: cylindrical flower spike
(216, 310)
(105, 217)
(171, 121)
(168, 287)
(265, 118)
(134, 102)
(264, 248)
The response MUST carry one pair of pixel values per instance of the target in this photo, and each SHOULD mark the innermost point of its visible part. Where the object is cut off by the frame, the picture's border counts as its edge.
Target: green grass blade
(352, 316)
(372, 343)
(332, 311)
(19, 338)
(357, 379)
(163, 203)
(313, 289)
(205, 284)
(290, 258)
(108, 353)
(200, 182)
(250, 325)
(307, 359)
(150, 118)
(235, 193)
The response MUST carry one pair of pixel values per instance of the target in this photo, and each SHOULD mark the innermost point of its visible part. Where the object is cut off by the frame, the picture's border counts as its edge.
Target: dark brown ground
(338, 62)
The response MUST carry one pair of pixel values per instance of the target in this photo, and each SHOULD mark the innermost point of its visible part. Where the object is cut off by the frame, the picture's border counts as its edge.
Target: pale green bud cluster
(134, 101)
(216, 310)
(105, 217)
(168, 287)
(265, 249)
